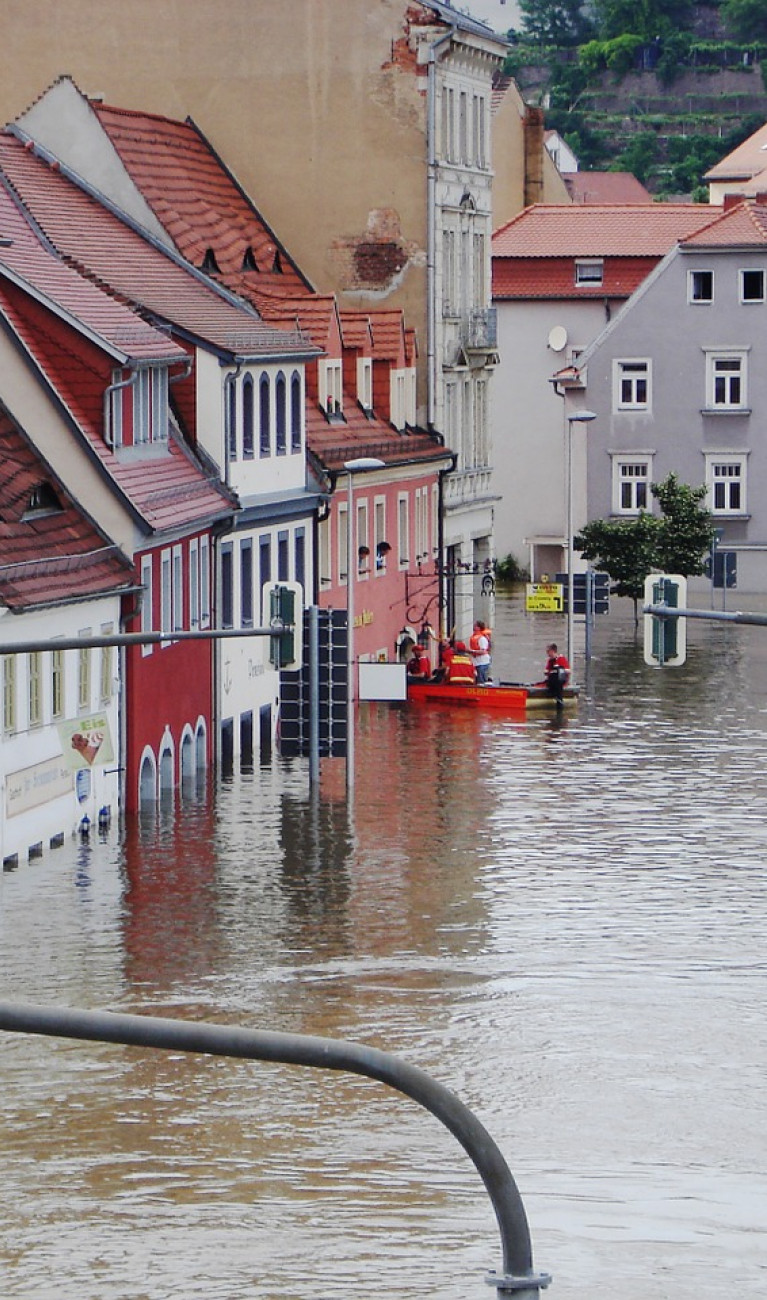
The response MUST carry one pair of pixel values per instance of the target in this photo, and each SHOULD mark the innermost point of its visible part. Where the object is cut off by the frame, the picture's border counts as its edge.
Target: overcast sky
(495, 13)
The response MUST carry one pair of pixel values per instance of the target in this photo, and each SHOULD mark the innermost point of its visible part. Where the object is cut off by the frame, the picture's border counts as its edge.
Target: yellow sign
(544, 597)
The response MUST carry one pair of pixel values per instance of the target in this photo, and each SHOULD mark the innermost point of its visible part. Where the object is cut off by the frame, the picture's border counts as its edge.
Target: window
(166, 593)
(264, 561)
(178, 589)
(365, 383)
(299, 551)
(246, 583)
(57, 683)
(204, 582)
(631, 484)
(231, 418)
(283, 557)
(589, 271)
(363, 549)
(84, 674)
(403, 529)
(105, 680)
(631, 381)
(35, 687)
(382, 547)
(150, 406)
(147, 623)
(331, 390)
(752, 286)
(700, 286)
(726, 380)
(343, 526)
(280, 415)
(194, 585)
(227, 586)
(726, 480)
(463, 133)
(296, 413)
(9, 694)
(247, 418)
(448, 273)
(264, 417)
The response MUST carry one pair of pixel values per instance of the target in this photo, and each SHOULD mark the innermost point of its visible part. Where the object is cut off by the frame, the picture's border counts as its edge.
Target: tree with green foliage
(686, 531)
(646, 18)
(677, 541)
(745, 20)
(555, 22)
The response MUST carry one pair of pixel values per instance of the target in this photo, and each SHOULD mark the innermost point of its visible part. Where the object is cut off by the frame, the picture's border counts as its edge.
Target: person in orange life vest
(461, 669)
(418, 666)
(556, 673)
(479, 647)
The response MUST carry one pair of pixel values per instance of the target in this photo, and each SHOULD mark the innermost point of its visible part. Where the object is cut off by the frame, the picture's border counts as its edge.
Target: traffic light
(665, 637)
(286, 606)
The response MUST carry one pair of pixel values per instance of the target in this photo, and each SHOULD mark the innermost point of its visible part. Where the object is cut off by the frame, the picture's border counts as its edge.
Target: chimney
(534, 146)
(732, 200)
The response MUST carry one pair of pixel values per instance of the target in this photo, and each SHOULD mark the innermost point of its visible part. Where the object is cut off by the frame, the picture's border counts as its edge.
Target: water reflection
(561, 918)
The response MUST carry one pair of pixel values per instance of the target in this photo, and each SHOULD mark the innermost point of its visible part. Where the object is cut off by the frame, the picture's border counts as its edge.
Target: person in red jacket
(461, 670)
(418, 665)
(556, 673)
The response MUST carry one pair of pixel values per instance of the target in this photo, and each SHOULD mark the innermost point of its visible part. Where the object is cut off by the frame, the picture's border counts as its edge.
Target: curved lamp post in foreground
(324, 1053)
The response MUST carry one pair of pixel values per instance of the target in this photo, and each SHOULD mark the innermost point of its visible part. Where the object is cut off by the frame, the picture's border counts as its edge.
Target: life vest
(476, 638)
(462, 668)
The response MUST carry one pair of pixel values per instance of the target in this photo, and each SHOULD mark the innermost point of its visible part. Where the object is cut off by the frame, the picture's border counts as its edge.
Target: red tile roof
(360, 435)
(598, 230)
(110, 251)
(741, 226)
(49, 555)
(167, 489)
(606, 187)
(197, 200)
(26, 260)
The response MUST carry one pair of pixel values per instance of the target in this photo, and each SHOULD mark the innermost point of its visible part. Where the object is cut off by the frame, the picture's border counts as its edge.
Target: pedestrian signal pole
(665, 634)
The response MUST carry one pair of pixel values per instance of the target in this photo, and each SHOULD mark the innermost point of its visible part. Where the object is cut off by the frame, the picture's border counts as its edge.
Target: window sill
(736, 515)
(725, 410)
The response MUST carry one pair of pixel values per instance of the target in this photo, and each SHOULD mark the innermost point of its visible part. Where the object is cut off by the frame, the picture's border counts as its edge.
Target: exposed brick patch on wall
(374, 259)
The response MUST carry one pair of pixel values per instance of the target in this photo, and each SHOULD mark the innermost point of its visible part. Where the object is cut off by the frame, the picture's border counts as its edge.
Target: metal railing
(517, 1273)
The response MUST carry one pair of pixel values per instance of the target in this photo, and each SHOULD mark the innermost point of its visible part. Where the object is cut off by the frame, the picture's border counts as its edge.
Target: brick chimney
(533, 134)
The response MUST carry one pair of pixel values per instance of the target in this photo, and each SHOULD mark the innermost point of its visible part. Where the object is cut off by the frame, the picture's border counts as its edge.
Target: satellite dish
(557, 338)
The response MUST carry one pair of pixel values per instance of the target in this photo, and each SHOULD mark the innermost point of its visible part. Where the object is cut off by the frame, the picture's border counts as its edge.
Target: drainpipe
(114, 388)
(229, 381)
(441, 545)
(431, 225)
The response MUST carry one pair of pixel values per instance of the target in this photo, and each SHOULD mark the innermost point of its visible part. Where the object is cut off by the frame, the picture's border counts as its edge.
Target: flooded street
(562, 920)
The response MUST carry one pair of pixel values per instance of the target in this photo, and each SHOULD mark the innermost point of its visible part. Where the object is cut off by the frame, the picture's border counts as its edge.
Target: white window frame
(194, 585)
(628, 373)
(35, 688)
(752, 270)
(331, 387)
(693, 279)
(204, 582)
(403, 530)
(365, 382)
(10, 695)
(146, 600)
(166, 594)
(716, 463)
(178, 589)
(343, 543)
(364, 562)
(628, 461)
(589, 272)
(58, 682)
(379, 535)
(84, 674)
(720, 367)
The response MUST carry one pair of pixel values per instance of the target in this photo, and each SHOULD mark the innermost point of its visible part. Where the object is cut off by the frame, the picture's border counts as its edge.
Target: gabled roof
(53, 553)
(97, 241)
(165, 491)
(26, 260)
(463, 22)
(197, 200)
(606, 187)
(315, 315)
(745, 161)
(742, 226)
(601, 230)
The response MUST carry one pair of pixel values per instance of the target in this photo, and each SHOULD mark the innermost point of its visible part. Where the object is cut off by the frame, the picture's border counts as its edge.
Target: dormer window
(209, 264)
(331, 391)
(138, 407)
(589, 272)
(42, 501)
(277, 263)
(249, 262)
(365, 383)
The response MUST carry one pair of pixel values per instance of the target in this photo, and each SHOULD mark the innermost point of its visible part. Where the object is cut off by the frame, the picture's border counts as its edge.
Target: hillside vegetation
(661, 88)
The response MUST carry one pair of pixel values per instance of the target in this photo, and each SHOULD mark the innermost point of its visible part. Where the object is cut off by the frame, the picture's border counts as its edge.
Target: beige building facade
(369, 134)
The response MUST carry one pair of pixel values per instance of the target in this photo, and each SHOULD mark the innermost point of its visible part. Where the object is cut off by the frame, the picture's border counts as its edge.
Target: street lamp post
(577, 417)
(352, 467)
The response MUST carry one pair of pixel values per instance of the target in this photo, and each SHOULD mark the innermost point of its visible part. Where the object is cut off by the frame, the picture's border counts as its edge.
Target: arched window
(147, 784)
(247, 418)
(265, 413)
(281, 415)
(295, 412)
(231, 418)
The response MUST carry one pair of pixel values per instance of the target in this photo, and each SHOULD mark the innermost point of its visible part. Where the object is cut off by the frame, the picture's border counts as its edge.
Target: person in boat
(461, 670)
(556, 673)
(479, 648)
(418, 665)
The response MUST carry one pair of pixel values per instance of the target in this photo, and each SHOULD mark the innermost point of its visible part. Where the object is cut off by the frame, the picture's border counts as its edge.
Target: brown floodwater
(562, 920)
